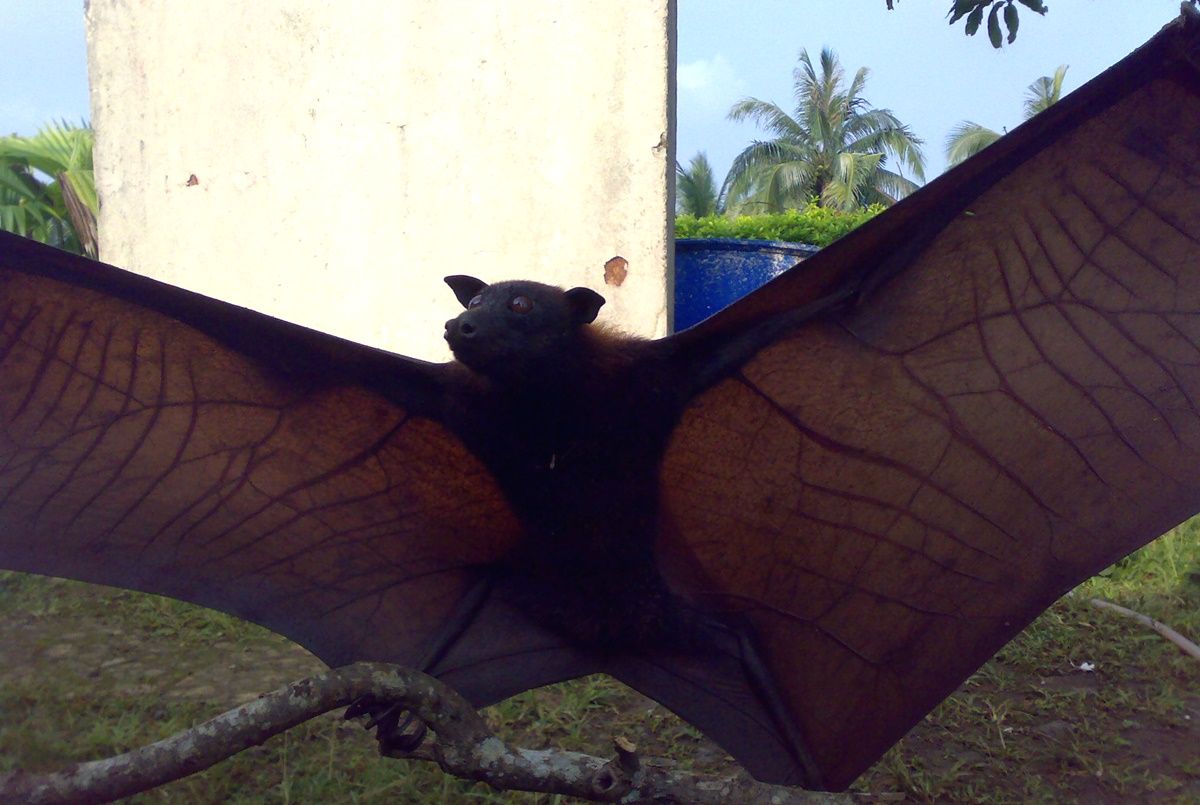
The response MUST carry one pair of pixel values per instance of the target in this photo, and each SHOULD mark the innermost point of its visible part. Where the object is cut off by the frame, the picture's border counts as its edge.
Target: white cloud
(711, 84)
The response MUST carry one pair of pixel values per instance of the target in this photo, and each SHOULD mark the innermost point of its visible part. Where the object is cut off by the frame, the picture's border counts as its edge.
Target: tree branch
(1187, 646)
(465, 747)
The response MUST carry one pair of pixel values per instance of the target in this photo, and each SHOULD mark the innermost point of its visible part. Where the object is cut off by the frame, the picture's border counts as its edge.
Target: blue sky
(43, 64)
(929, 74)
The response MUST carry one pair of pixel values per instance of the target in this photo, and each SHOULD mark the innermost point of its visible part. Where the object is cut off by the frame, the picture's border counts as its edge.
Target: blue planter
(712, 273)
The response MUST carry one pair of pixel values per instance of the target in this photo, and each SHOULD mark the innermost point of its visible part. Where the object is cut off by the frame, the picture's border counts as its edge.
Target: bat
(799, 525)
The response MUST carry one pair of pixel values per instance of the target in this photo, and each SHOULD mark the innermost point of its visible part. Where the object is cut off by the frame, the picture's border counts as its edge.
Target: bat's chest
(581, 494)
(589, 472)
(581, 474)
(571, 449)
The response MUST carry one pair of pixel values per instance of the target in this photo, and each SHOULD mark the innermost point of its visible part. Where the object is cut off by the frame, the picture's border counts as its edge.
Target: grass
(87, 672)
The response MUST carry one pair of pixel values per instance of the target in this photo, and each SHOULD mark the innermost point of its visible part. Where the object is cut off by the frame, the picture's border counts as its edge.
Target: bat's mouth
(465, 351)
(457, 335)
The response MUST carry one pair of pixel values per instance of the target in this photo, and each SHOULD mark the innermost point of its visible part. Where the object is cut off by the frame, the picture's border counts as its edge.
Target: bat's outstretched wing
(890, 494)
(156, 440)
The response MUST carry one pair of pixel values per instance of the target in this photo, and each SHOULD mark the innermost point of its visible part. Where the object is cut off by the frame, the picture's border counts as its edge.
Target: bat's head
(512, 328)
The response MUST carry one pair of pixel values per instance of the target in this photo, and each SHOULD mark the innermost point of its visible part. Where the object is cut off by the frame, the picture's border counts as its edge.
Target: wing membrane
(891, 494)
(138, 451)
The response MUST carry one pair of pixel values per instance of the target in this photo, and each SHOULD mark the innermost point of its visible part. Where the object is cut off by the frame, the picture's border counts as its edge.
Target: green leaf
(37, 174)
(962, 7)
(1034, 5)
(1012, 21)
(994, 26)
(813, 224)
(973, 21)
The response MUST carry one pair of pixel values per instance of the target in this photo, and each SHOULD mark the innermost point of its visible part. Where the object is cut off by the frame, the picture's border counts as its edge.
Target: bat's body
(799, 524)
(572, 421)
(572, 425)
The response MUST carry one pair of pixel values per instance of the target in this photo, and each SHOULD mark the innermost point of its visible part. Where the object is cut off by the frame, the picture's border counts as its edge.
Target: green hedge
(819, 226)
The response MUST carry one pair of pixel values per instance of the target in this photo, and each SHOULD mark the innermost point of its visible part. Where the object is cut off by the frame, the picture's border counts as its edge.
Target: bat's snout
(461, 329)
(458, 332)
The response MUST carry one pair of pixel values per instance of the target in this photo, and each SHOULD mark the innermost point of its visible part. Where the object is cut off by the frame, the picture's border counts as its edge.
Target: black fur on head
(518, 329)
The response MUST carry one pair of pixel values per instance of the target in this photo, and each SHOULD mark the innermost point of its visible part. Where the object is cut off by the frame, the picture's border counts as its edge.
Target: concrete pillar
(328, 163)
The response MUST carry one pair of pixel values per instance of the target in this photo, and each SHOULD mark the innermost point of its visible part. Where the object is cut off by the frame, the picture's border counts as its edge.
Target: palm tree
(834, 147)
(696, 188)
(25, 210)
(47, 188)
(969, 138)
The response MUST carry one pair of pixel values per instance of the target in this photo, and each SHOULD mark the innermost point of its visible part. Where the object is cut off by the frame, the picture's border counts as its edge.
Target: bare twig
(465, 747)
(1166, 631)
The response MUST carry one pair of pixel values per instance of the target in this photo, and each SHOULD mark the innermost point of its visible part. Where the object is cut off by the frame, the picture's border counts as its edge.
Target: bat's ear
(464, 287)
(585, 304)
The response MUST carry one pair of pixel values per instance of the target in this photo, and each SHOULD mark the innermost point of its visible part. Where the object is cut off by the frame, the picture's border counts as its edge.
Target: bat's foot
(397, 730)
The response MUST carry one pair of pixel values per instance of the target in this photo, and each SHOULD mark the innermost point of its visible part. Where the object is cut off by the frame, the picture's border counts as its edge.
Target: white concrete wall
(328, 163)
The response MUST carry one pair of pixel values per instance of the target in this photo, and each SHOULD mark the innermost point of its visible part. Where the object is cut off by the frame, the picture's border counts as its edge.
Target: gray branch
(1185, 645)
(465, 747)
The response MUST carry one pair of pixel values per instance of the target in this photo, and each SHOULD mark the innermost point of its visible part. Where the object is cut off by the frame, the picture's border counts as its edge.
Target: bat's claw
(397, 730)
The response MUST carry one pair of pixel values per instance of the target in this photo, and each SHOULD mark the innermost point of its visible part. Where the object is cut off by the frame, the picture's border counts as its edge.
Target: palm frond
(831, 70)
(771, 188)
(22, 202)
(749, 164)
(1044, 92)
(768, 116)
(853, 174)
(779, 186)
(696, 188)
(872, 121)
(880, 130)
(906, 147)
(966, 140)
(853, 95)
(891, 187)
(67, 200)
(54, 149)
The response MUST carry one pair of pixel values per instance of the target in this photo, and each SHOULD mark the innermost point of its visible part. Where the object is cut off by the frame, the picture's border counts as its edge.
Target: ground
(87, 672)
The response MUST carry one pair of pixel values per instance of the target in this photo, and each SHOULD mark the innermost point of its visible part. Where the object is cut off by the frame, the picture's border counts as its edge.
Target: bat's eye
(520, 304)
(476, 301)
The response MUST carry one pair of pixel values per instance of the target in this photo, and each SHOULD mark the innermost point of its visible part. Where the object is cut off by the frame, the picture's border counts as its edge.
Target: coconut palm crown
(834, 147)
(696, 188)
